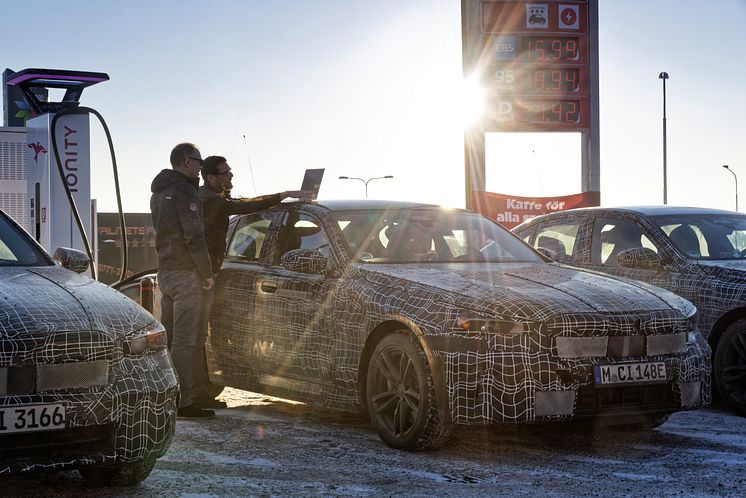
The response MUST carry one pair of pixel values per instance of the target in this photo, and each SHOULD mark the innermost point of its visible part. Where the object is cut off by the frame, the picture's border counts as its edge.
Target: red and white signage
(512, 210)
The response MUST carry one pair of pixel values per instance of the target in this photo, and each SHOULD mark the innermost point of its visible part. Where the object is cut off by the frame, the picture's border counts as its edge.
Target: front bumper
(130, 418)
(518, 383)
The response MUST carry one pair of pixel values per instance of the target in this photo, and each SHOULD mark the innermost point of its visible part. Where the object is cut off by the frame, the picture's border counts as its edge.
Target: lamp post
(664, 76)
(365, 181)
(736, 179)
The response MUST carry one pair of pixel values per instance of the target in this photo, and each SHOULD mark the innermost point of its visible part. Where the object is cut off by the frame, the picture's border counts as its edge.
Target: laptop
(312, 181)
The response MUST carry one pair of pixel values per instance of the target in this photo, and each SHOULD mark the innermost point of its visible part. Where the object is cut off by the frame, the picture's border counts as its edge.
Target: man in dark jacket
(184, 272)
(218, 206)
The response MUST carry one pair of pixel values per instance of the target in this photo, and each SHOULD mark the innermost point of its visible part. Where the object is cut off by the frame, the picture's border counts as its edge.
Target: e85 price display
(544, 49)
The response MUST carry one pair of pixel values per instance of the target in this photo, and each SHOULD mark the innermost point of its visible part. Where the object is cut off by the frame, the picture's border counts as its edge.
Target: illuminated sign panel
(535, 65)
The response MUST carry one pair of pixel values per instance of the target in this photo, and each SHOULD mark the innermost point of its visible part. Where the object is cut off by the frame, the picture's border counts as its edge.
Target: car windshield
(16, 249)
(438, 235)
(706, 236)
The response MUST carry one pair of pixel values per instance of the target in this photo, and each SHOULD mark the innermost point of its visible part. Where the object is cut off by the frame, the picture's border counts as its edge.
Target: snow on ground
(264, 446)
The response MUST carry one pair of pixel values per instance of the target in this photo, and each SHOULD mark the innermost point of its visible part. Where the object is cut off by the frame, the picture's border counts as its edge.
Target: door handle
(268, 286)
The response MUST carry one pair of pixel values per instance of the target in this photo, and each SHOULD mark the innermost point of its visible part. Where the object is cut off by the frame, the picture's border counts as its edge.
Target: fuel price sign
(535, 65)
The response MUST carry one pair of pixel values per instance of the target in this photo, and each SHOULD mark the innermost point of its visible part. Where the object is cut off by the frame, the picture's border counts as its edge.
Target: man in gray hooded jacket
(184, 270)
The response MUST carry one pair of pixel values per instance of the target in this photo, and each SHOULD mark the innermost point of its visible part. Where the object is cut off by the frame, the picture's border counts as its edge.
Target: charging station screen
(535, 65)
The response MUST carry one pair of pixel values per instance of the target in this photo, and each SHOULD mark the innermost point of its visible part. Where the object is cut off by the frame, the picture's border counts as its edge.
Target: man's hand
(208, 283)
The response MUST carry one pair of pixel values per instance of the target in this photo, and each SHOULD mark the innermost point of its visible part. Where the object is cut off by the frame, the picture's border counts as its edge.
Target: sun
(473, 100)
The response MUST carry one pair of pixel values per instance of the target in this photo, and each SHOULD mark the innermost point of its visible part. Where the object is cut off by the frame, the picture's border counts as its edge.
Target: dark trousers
(183, 315)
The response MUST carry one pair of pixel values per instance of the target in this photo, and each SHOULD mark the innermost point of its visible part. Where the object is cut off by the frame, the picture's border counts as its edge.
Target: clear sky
(369, 89)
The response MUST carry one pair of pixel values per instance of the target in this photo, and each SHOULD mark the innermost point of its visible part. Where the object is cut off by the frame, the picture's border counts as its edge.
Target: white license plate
(30, 418)
(630, 373)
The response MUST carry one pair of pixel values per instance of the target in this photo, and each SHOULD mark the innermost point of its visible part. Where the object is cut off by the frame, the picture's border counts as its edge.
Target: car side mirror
(642, 258)
(304, 261)
(72, 259)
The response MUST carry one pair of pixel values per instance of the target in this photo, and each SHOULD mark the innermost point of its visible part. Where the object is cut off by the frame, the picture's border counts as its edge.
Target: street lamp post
(736, 179)
(664, 76)
(365, 181)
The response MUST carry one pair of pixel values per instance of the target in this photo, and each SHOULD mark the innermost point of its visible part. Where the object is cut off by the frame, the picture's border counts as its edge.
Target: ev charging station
(57, 148)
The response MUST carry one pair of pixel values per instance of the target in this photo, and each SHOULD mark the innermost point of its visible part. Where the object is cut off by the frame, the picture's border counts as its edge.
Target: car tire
(400, 396)
(126, 474)
(730, 366)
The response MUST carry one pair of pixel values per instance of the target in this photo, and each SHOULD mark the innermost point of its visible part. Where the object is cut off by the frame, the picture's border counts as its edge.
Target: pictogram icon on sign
(568, 17)
(537, 15)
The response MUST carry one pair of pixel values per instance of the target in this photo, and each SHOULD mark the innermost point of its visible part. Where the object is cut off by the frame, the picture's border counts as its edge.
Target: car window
(706, 236)
(248, 237)
(615, 236)
(16, 249)
(302, 231)
(558, 238)
(426, 234)
(688, 239)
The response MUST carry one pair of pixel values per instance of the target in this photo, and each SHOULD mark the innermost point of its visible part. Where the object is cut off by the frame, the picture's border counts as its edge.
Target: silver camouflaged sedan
(698, 253)
(426, 317)
(86, 381)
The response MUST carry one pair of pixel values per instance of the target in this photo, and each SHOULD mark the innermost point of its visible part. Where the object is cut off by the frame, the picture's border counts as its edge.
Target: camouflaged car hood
(50, 299)
(533, 289)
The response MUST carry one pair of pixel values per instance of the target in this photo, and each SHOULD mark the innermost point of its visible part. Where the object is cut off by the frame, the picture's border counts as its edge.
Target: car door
(234, 338)
(293, 309)
(611, 235)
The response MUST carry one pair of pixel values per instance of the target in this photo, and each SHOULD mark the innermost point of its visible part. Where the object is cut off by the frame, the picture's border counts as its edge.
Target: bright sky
(369, 89)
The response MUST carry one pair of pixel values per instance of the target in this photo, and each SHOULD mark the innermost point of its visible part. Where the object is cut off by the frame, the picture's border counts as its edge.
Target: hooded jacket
(177, 218)
(217, 210)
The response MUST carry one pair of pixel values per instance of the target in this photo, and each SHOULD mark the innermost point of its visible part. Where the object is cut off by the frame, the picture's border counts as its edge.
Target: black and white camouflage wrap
(61, 341)
(309, 338)
(716, 287)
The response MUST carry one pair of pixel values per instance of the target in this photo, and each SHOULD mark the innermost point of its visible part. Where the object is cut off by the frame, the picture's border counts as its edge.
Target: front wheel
(400, 395)
(730, 366)
(126, 474)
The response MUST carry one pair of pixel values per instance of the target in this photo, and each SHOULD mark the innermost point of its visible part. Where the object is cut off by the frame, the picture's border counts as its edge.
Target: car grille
(46, 362)
(618, 336)
(70, 442)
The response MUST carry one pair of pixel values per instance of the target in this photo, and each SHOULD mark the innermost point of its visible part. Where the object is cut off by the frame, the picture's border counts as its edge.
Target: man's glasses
(199, 161)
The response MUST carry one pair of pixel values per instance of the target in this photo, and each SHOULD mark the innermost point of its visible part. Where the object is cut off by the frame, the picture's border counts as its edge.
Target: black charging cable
(71, 200)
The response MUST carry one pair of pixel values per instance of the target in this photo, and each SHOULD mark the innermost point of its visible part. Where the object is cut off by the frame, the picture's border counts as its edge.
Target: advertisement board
(512, 210)
(140, 240)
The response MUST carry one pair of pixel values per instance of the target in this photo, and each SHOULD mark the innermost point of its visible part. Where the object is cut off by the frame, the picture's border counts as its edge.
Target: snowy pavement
(263, 446)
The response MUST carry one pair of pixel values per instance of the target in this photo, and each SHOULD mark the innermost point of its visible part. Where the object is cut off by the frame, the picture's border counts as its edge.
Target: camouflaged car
(86, 381)
(426, 317)
(697, 253)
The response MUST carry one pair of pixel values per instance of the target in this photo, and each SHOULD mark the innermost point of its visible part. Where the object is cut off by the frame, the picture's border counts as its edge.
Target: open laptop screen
(312, 181)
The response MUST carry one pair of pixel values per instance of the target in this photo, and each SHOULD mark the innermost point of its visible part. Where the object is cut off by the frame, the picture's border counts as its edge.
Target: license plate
(630, 373)
(30, 418)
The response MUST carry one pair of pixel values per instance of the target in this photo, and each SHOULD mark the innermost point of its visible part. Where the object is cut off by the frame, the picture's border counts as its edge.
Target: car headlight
(147, 338)
(468, 322)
